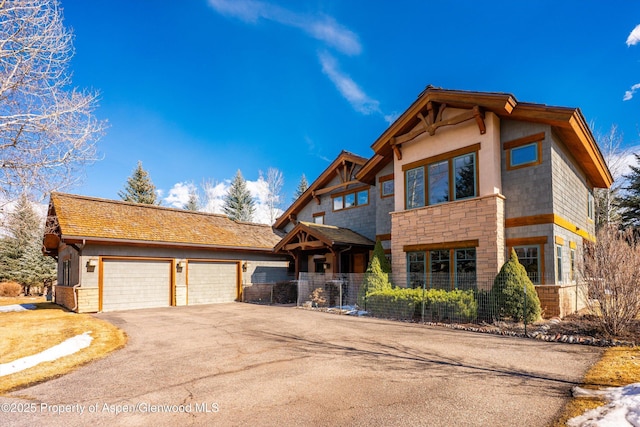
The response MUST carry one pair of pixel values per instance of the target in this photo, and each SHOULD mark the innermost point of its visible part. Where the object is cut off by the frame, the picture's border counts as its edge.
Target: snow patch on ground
(622, 410)
(65, 348)
(16, 307)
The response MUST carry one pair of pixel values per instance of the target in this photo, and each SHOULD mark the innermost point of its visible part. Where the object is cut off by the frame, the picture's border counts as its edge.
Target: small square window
(524, 155)
(318, 219)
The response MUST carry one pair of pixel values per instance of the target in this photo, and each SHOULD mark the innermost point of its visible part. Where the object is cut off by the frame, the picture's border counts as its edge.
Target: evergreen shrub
(507, 294)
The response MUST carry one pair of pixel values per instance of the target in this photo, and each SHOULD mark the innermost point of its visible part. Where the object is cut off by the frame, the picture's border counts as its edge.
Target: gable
(339, 175)
(425, 116)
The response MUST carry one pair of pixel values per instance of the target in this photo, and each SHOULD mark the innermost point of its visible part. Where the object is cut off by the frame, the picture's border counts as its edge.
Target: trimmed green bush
(507, 293)
(439, 305)
(374, 280)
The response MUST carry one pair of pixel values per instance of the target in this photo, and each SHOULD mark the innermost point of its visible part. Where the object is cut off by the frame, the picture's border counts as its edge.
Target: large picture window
(445, 269)
(441, 179)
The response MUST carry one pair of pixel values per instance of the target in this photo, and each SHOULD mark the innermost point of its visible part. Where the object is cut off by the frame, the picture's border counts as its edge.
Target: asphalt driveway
(241, 364)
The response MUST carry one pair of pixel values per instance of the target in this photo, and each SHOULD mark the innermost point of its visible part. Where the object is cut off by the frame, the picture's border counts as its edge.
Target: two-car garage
(128, 283)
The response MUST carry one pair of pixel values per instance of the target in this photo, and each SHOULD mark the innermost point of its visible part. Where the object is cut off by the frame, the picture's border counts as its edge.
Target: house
(116, 255)
(454, 183)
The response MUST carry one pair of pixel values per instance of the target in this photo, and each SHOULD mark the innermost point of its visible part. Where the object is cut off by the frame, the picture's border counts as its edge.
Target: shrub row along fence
(441, 298)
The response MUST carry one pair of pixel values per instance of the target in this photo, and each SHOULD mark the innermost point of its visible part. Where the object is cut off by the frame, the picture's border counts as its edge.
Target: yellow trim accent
(573, 245)
(559, 240)
(549, 219)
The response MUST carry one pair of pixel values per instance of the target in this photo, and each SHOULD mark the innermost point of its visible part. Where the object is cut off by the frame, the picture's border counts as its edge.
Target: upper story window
(351, 199)
(386, 186)
(451, 176)
(523, 152)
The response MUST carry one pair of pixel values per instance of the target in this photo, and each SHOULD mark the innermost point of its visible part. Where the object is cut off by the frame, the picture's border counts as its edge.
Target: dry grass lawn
(619, 366)
(29, 332)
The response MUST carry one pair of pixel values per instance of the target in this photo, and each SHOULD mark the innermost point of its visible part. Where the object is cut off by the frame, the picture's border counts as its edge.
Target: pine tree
(376, 277)
(302, 187)
(21, 258)
(238, 203)
(139, 188)
(378, 252)
(630, 201)
(193, 203)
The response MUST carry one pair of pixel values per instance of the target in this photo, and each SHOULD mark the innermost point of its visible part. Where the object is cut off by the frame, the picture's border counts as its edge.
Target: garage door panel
(212, 282)
(129, 284)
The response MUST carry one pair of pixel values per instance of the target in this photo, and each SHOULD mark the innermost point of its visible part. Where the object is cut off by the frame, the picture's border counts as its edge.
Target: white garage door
(128, 284)
(212, 282)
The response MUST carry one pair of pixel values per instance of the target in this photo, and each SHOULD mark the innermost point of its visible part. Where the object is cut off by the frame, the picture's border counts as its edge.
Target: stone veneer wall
(87, 298)
(480, 218)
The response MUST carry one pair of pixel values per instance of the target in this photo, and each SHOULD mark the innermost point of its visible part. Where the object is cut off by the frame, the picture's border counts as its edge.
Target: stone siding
(480, 218)
(560, 301)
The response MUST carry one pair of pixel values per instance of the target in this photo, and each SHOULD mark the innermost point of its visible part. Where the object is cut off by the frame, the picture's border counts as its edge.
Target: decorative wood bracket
(433, 121)
(396, 148)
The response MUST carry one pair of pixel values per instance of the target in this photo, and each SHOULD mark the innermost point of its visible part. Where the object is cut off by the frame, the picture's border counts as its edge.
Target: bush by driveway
(240, 364)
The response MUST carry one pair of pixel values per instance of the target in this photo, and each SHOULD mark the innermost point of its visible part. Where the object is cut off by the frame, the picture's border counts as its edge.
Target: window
(439, 267)
(66, 272)
(416, 269)
(447, 269)
(524, 155)
(387, 188)
(438, 182)
(338, 203)
(465, 176)
(452, 178)
(351, 199)
(363, 197)
(559, 263)
(415, 188)
(523, 152)
(529, 257)
(572, 264)
(591, 207)
(465, 271)
(318, 218)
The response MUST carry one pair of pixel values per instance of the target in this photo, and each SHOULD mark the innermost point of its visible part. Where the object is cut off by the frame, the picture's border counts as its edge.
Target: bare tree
(47, 127)
(275, 181)
(611, 270)
(616, 157)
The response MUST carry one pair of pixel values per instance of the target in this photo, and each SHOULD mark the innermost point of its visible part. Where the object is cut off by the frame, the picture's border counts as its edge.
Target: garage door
(128, 284)
(212, 282)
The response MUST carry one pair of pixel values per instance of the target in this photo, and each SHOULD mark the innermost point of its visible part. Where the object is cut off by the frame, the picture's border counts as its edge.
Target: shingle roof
(338, 235)
(101, 219)
(330, 235)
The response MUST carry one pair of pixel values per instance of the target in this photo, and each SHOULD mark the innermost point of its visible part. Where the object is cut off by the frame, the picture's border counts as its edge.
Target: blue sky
(200, 88)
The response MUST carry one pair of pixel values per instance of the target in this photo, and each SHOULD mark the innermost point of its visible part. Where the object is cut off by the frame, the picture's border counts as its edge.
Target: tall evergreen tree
(238, 203)
(21, 258)
(139, 188)
(630, 200)
(302, 187)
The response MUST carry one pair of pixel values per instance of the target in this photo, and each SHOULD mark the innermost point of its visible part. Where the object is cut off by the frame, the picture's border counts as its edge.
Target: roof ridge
(141, 205)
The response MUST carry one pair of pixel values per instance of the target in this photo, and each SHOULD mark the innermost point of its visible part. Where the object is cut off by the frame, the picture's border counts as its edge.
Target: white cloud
(634, 36)
(179, 194)
(348, 88)
(629, 94)
(320, 27)
(215, 194)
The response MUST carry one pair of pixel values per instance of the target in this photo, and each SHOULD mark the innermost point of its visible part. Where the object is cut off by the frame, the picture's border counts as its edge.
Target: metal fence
(440, 297)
